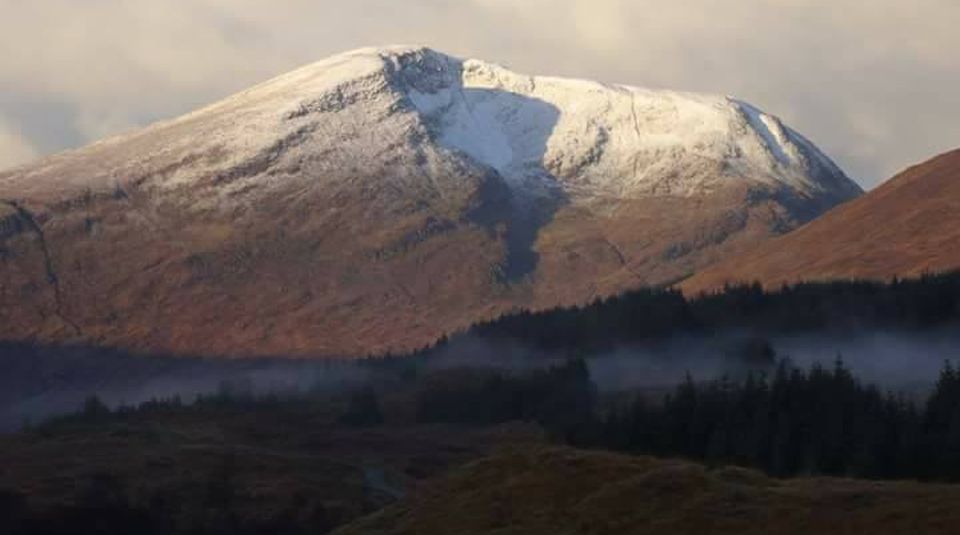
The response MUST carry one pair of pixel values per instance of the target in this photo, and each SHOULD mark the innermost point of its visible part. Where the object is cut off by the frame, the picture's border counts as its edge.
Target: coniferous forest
(821, 421)
(928, 302)
(816, 421)
(799, 422)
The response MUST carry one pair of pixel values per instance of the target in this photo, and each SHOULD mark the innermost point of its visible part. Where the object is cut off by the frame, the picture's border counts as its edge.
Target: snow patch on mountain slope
(380, 110)
(607, 140)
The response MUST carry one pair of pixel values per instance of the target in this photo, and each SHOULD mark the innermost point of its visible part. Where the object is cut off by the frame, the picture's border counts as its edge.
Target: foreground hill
(287, 466)
(221, 467)
(906, 227)
(382, 198)
(549, 490)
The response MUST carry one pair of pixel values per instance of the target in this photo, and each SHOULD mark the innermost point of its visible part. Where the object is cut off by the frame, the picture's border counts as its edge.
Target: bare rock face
(382, 198)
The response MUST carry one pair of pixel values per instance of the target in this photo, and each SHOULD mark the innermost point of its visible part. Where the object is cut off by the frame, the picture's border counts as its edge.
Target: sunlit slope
(908, 226)
(380, 199)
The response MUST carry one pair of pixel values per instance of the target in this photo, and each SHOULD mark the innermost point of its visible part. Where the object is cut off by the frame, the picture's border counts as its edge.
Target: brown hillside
(333, 211)
(908, 226)
(549, 491)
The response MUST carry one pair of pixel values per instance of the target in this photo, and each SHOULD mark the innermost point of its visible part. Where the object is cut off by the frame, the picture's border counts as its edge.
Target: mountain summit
(384, 197)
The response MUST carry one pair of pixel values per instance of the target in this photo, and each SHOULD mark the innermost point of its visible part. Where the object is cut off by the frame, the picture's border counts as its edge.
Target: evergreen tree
(363, 409)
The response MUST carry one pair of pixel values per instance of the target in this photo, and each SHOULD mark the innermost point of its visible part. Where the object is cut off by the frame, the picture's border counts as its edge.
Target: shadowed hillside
(534, 491)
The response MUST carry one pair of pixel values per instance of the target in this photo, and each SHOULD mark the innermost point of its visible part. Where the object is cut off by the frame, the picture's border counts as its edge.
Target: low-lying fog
(893, 361)
(36, 388)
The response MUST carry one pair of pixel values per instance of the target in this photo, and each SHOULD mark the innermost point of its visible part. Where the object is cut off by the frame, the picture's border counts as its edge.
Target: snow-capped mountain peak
(594, 138)
(384, 197)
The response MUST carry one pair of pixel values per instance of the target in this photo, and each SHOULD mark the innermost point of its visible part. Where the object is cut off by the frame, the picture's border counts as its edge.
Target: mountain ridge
(906, 227)
(382, 198)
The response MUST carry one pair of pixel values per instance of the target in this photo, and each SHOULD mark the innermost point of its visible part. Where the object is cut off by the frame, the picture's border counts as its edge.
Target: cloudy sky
(876, 84)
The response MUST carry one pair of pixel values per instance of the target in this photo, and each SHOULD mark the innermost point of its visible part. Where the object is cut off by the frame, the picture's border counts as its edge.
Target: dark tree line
(788, 423)
(561, 398)
(820, 421)
(794, 422)
(927, 302)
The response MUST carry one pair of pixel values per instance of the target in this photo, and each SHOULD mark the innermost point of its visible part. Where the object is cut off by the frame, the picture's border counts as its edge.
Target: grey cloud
(50, 125)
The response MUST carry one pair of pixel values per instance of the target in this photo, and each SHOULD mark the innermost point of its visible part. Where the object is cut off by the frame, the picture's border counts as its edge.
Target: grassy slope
(908, 226)
(541, 490)
(293, 460)
(273, 461)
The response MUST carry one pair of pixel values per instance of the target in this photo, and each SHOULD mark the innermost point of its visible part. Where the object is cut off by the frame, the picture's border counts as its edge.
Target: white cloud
(874, 83)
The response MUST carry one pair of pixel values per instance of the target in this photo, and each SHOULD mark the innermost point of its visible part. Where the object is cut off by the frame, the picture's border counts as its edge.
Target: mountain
(908, 226)
(382, 198)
